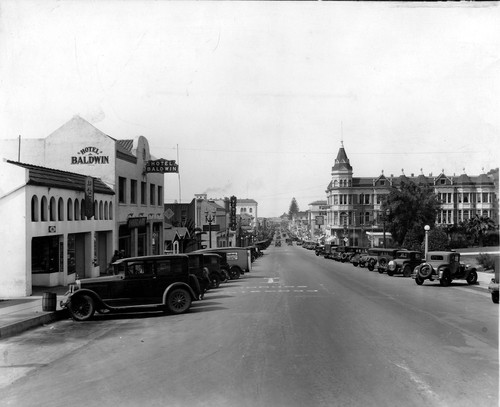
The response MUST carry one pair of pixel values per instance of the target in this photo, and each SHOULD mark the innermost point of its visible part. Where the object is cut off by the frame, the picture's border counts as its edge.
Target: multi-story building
(354, 203)
(248, 208)
(317, 216)
(122, 165)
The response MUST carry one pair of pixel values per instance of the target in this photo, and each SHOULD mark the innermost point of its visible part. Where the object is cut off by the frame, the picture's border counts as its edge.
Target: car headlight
(392, 265)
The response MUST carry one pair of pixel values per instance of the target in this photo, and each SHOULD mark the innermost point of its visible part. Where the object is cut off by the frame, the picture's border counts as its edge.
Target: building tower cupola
(342, 164)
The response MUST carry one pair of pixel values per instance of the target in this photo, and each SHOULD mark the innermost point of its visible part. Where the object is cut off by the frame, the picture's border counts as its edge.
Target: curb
(21, 326)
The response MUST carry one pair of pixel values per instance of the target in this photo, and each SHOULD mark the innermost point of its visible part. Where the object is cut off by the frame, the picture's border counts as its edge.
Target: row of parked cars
(169, 282)
(442, 266)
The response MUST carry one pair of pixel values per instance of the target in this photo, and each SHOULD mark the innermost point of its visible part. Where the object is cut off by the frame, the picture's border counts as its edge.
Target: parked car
(404, 262)
(444, 266)
(320, 250)
(493, 286)
(384, 256)
(227, 272)
(238, 258)
(160, 282)
(369, 259)
(338, 252)
(359, 254)
(198, 269)
(328, 250)
(212, 261)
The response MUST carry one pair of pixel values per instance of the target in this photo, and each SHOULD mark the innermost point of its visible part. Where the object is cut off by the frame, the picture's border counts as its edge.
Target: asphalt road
(299, 330)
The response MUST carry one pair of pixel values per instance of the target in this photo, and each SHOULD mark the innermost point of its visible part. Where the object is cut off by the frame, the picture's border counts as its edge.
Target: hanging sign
(89, 197)
(161, 166)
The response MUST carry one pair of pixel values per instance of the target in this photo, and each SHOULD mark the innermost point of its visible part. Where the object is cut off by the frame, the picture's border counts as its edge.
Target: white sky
(255, 93)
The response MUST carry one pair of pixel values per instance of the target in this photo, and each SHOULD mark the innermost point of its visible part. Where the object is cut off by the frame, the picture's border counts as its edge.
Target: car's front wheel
(472, 277)
(234, 273)
(407, 271)
(214, 281)
(178, 301)
(419, 280)
(445, 279)
(81, 307)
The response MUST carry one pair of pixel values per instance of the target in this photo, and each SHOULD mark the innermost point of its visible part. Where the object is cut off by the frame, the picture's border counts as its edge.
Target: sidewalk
(20, 314)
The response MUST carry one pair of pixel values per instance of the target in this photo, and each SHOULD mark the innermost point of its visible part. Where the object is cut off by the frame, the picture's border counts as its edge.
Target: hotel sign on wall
(161, 166)
(90, 155)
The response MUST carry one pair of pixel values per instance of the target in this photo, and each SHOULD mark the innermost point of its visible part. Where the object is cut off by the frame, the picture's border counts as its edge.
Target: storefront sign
(89, 197)
(213, 228)
(52, 229)
(161, 166)
(320, 220)
(90, 155)
(133, 223)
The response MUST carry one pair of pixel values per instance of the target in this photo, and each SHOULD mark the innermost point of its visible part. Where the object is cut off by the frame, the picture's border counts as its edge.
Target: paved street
(299, 330)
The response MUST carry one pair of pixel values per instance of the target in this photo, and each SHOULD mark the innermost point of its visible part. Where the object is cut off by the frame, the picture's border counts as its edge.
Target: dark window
(122, 189)
(160, 196)
(133, 191)
(152, 189)
(143, 193)
(169, 267)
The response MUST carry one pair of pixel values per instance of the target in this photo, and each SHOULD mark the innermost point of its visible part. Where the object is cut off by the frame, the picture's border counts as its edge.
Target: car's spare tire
(425, 270)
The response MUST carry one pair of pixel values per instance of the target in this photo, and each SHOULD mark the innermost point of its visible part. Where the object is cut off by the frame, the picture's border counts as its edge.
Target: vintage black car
(198, 269)
(404, 262)
(138, 283)
(355, 255)
(384, 256)
(445, 267)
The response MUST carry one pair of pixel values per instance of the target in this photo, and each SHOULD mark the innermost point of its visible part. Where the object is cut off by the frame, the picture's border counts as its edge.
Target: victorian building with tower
(354, 215)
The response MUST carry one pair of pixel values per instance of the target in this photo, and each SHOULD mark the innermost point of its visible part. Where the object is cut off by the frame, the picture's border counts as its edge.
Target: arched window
(106, 216)
(77, 209)
(101, 210)
(44, 209)
(335, 184)
(34, 209)
(69, 209)
(111, 210)
(52, 209)
(60, 209)
(96, 210)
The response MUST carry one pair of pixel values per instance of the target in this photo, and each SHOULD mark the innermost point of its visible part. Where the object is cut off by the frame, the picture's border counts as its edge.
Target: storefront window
(45, 254)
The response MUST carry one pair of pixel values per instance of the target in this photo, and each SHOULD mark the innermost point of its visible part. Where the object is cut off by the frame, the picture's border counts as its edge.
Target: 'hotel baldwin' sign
(162, 166)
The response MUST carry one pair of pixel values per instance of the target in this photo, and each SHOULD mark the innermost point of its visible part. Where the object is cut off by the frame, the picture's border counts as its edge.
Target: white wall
(14, 281)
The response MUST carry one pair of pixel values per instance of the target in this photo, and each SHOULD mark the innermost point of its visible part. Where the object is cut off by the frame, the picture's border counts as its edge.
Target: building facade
(354, 214)
(56, 225)
(317, 217)
(122, 165)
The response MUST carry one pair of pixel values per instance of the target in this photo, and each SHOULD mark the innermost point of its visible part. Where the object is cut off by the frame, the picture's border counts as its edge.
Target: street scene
(255, 204)
(297, 330)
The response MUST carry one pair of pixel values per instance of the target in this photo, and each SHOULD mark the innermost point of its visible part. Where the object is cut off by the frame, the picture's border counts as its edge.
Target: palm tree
(478, 227)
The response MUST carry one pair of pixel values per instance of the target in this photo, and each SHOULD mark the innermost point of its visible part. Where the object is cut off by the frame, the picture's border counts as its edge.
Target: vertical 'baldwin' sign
(89, 197)
(161, 166)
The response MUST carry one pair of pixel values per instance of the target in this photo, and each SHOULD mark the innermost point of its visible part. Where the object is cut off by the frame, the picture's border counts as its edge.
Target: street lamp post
(384, 219)
(210, 218)
(426, 247)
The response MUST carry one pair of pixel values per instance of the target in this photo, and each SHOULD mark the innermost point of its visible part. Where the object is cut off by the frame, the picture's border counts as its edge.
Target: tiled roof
(53, 178)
